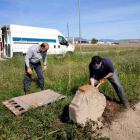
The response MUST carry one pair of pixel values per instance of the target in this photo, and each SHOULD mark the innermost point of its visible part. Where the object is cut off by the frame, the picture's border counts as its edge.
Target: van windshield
(62, 40)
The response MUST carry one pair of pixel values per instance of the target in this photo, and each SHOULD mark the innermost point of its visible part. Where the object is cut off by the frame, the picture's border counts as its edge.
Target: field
(53, 122)
(92, 48)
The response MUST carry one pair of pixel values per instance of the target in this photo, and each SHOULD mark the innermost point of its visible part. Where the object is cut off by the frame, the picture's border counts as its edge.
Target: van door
(62, 44)
(6, 42)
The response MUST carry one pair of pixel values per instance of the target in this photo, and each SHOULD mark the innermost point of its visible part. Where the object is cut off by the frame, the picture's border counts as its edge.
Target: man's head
(44, 47)
(96, 62)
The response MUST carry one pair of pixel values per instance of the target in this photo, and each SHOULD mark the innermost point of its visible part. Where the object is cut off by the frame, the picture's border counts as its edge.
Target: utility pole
(80, 28)
(68, 30)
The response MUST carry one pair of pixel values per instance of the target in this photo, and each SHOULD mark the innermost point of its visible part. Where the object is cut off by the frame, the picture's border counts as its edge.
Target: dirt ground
(123, 125)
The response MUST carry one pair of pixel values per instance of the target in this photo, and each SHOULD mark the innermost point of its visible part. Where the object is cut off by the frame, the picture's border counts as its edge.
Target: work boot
(27, 93)
(126, 105)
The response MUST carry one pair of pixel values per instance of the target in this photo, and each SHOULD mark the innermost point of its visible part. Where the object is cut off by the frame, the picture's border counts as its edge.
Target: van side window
(65, 42)
(62, 40)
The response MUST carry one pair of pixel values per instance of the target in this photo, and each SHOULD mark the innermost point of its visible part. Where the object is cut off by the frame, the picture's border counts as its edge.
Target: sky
(100, 19)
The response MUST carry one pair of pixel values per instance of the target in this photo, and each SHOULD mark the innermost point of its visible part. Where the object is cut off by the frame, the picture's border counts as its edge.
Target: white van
(17, 39)
(0, 44)
(0, 35)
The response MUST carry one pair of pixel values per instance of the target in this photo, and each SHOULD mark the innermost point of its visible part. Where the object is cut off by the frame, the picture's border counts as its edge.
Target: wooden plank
(7, 104)
(16, 109)
(7, 101)
(12, 105)
(19, 112)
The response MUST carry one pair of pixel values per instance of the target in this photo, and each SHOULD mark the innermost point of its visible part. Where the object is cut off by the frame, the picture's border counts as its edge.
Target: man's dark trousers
(116, 84)
(38, 68)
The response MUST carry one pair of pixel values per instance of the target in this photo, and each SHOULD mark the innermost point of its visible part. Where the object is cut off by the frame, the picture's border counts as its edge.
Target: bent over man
(32, 61)
(102, 68)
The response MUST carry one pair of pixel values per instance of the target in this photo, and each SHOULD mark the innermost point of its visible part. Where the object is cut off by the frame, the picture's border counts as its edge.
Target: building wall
(129, 42)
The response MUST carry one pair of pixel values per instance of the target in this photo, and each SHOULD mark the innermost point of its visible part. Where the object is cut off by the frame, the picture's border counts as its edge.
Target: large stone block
(88, 103)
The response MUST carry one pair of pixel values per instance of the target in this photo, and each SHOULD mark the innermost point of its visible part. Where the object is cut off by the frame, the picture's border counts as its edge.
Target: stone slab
(21, 104)
(37, 99)
(88, 103)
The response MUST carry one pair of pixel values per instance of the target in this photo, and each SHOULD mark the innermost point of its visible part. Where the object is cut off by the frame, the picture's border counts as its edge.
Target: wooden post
(69, 73)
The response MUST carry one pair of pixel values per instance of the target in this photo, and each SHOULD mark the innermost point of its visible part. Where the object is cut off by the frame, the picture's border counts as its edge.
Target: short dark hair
(96, 60)
(43, 45)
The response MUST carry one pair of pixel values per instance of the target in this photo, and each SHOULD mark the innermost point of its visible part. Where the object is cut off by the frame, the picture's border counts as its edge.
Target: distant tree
(94, 41)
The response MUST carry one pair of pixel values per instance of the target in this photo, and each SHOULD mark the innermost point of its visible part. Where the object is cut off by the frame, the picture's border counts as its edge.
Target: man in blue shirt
(102, 68)
(32, 61)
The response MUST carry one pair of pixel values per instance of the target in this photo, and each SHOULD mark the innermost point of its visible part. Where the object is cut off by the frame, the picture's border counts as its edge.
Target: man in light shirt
(32, 61)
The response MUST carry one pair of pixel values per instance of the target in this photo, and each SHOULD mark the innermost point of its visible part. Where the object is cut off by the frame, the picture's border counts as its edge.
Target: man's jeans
(37, 67)
(116, 84)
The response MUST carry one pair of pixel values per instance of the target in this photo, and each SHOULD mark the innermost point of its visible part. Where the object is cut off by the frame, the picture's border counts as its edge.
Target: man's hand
(29, 70)
(45, 68)
(102, 80)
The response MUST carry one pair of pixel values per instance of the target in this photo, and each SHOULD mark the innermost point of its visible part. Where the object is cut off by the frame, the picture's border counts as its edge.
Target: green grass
(53, 122)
